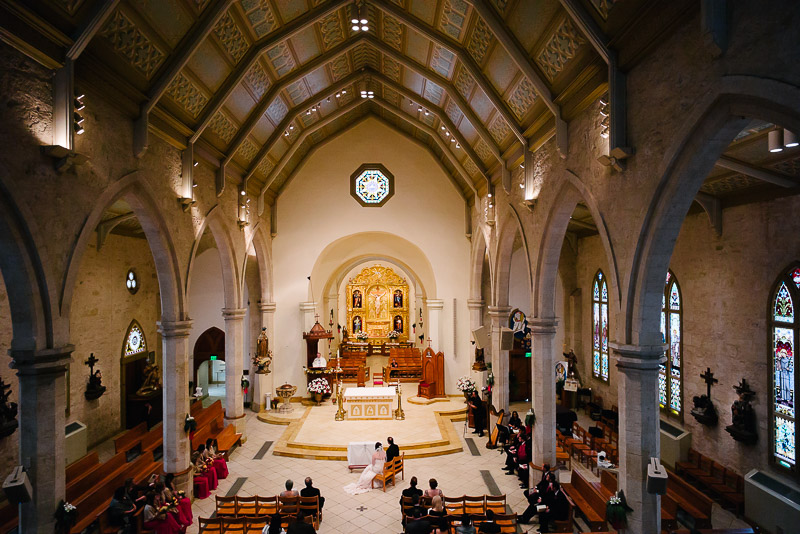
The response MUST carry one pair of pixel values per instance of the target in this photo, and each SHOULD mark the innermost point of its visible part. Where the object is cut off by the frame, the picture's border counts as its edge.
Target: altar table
(369, 403)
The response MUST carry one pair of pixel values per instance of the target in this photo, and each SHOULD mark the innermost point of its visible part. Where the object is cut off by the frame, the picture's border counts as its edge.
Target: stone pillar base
(184, 481)
(239, 424)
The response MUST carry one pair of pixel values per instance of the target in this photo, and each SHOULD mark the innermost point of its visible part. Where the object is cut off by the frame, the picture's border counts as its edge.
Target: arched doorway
(209, 362)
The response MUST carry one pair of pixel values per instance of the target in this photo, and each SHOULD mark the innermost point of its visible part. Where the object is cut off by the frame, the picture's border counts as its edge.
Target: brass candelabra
(340, 413)
(398, 413)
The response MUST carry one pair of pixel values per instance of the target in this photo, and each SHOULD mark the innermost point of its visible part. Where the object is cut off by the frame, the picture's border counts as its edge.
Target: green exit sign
(214, 357)
(527, 354)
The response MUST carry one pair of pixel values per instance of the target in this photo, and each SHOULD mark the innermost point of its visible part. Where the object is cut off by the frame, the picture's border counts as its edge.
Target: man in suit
(557, 508)
(417, 525)
(489, 526)
(478, 413)
(412, 489)
(311, 491)
(300, 526)
(392, 451)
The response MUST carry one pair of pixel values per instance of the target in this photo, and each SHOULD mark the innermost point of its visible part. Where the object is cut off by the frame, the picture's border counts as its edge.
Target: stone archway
(210, 344)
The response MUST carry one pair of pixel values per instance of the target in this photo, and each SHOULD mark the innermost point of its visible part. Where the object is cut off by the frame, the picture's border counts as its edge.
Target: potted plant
(319, 387)
(617, 511)
(466, 385)
(66, 516)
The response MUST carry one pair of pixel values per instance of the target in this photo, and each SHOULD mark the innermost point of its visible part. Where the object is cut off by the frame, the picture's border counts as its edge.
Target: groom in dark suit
(311, 491)
(393, 451)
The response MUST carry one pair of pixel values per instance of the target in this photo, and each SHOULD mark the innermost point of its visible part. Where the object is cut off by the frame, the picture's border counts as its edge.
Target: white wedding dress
(364, 483)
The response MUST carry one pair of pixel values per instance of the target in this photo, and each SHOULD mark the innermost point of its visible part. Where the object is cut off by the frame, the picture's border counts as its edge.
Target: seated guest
(202, 471)
(300, 526)
(557, 509)
(466, 526)
(515, 421)
(392, 451)
(511, 452)
(319, 361)
(164, 499)
(120, 512)
(523, 460)
(274, 526)
(541, 495)
(489, 526)
(220, 465)
(311, 491)
(412, 489)
(289, 492)
(434, 490)
(417, 525)
(394, 362)
(158, 520)
(172, 493)
(133, 493)
(213, 479)
(437, 510)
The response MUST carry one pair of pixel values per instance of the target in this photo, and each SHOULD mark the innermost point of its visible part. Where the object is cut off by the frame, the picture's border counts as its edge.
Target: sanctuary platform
(427, 429)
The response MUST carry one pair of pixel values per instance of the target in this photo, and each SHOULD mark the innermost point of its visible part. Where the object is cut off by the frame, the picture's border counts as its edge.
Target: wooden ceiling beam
(434, 136)
(758, 173)
(520, 56)
(99, 17)
(466, 60)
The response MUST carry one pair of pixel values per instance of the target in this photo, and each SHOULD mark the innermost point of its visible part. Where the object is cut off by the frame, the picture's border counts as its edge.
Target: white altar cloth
(370, 403)
(359, 453)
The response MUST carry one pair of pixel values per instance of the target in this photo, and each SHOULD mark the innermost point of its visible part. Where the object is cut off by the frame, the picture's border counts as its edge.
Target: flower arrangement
(617, 510)
(362, 336)
(394, 334)
(66, 516)
(319, 385)
(189, 424)
(245, 384)
(465, 384)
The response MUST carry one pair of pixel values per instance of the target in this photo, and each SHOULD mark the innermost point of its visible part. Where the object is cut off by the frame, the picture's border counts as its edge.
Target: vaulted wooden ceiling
(254, 85)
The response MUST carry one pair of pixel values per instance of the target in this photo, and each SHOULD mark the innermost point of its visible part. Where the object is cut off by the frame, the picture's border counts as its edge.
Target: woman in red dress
(220, 465)
(158, 519)
(172, 493)
(213, 480)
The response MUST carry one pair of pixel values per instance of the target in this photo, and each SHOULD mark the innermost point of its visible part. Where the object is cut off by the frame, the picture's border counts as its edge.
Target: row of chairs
(243, 525)
(390, 472)
(465, 504)
(260, 506)
(507, 522)
(723, 484)
(584, 445)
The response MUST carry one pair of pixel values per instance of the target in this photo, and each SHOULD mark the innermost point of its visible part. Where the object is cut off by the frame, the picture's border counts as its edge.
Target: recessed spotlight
(458, 145)
(363, 21)
(489, 195)
(344, 91)
(447, 134)
(442, 127)
(789, 139)
(291, 126)
(521, 166)
(243, 192)
(522, 186)
(353, 21)
(775, 141)
(194, 185)
(364, 28)
(338, 95)
(355, 28)
(196, 163)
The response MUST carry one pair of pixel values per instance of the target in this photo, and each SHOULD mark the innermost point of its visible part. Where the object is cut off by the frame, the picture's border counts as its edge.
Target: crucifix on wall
(704, 410)
(95, 387)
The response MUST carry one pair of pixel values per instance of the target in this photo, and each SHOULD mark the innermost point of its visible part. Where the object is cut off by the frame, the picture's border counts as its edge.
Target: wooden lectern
(432, 384)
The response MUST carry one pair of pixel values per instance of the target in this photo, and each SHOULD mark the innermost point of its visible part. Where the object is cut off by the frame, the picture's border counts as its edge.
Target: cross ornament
(90, 362)
(708, 376)
(361, 508)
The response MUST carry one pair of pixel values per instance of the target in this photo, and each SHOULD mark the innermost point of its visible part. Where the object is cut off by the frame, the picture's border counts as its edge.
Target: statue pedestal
(479, 377)
(261, 386)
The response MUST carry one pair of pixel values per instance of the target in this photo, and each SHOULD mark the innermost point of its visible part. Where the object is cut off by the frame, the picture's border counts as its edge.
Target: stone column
(175, 377)
(42, 398)
(262, 384)
(499, 316)
(234, 365)
(639, 438)
(543, 334)
(435, 330)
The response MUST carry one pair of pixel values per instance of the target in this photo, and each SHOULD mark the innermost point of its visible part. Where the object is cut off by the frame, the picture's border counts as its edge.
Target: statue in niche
(398, 323)
(377, 295)
(152, 381)
(95, 387)
(572, 361)
(743, 425)
(398, 298)
(356, 299)
(263, 357)
(8, 411)
(356, 324)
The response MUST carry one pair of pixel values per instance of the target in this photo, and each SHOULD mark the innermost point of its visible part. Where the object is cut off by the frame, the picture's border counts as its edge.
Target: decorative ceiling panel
(133, 44)
(522, 98)
(498, 129)
(391, 69)
(281, 59)
(481, 104)
(317, 80)
(298, 92)
(443, 61)
(500, 69)
(424, 10)
(479, 41)
(290, 9)
(483, 152)
(471, 168)
(603, 6)
(464, 83)
(340, 67)
(231, 37)
(223, 126)
(263, 128)
(332, 30)
(169, 18)
(559, 48)
(454, 18)
(265, 167)
(209, 65)
(392, 96)
(248, 150)
(259, 14)
(308, 119)
(392, 32)
(728, 184)
(277, 110)
(305, 45)
(788, 166)
(186, 93)
(365, 56)
(240, 103)
(70, 6)
(501, 5)
(453, 112)
(258, 80)
(433, 92)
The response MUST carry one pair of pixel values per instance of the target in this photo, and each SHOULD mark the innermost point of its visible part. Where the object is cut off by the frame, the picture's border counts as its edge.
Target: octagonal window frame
(372, 167)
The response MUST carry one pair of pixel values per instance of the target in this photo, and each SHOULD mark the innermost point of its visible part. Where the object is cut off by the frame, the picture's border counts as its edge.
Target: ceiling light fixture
(338, 95)
(442, 127)
(196, 163)
(789, 139)
(291, 126)
(447, 134)
(522, 185)
(358, 21)
(427, 113)
(521, 166)
(194, 185)
(458, 145)
(243, 192)
(775, 141)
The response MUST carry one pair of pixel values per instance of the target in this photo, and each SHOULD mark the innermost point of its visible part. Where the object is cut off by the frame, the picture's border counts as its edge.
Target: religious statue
(572, 360)
(356, 299)
(152, 381)
(398, 323)
(398, 298)
(8, 411)
(263, 357)
(743, 425)
(704, 410)
(480, 362)
(95, 387)
(377, 296)
(357, 324)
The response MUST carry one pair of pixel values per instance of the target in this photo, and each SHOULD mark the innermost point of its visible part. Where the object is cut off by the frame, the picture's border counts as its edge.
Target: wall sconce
(244, 209)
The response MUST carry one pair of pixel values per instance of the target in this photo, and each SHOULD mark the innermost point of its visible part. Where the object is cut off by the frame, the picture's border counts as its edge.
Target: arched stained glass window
(134, 340)
(784, 327)
(600, 327)
(670, 381)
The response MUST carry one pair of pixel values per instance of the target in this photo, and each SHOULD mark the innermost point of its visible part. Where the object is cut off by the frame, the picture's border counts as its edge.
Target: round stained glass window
(372, 185)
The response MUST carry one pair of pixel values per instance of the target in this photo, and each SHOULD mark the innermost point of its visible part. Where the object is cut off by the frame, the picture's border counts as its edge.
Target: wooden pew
(84, 485)
(590, 503)
(608, 487)
(129, 439)
(689, 499)
(211, 425)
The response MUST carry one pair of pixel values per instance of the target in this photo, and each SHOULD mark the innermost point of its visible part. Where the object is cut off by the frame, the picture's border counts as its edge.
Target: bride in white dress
(364, 483)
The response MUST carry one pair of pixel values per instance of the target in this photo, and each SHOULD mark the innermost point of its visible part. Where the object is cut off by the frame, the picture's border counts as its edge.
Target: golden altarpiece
(377, 304)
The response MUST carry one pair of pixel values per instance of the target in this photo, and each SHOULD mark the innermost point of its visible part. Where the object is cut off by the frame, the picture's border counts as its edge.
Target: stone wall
(102, 311)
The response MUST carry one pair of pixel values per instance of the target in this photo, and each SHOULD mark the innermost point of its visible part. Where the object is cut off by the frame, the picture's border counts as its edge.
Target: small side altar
(312, 339)
(370, 403)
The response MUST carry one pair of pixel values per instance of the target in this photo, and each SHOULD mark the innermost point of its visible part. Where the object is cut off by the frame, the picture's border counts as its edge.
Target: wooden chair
(579, 443)
(287, 506)
(266, 506)
(310, 506)
(246, 506)
(454, 505)
(210, 525)
(225, 506)
(385, 477)
(588, 453)
(234, 525)
(507, 522)
(474, 504)
(255, 525)
(496, 503)
(397, 465)
(377, 379)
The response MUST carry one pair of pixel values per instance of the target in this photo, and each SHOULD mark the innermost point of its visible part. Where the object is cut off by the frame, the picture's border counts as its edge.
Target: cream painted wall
(316, 208)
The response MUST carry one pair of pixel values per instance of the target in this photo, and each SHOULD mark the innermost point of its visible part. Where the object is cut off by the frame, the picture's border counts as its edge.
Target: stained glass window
(784, 334)
(372, 185)
(134, 340)
(669, 375)
(600, 327)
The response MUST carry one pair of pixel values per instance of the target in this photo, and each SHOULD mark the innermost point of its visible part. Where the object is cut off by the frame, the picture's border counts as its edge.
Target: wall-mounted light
(775, 140)
(790, 139)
